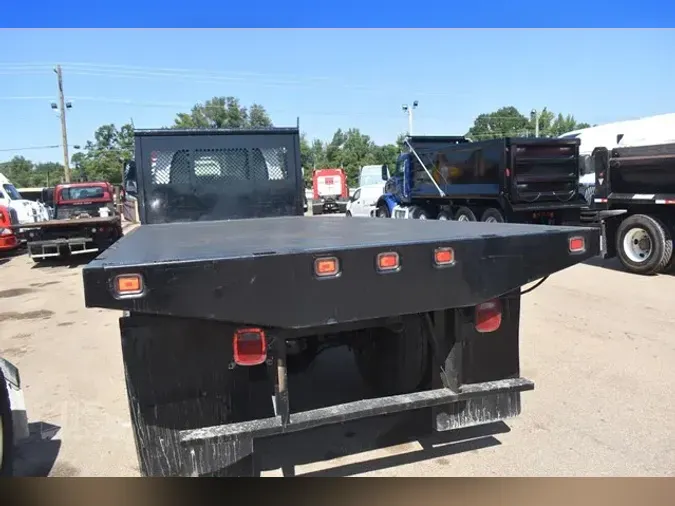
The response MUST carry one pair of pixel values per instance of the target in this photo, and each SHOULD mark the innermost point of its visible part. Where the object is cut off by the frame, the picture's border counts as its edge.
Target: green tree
(23, 173)
(504, 122)
(509, 122)
(102, 159)
(19, 171)
(223, 112)
(47, 174)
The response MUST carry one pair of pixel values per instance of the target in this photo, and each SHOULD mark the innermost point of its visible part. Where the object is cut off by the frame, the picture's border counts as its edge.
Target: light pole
(409, 111)
(534, 114)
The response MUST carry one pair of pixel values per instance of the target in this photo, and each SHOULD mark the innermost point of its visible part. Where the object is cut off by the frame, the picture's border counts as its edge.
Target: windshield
(370, 175)
(12, 192)
(83, 193)
(371, 179)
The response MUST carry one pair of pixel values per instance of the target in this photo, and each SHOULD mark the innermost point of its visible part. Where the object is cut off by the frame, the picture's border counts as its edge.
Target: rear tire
(464, 214)
(492, 215)
(444, 216)
(643, 244)
(393, 362)
(382, 211)
(418, 213)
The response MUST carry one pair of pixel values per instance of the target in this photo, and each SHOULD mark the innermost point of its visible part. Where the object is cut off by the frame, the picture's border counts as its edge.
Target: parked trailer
(517, 180)
(219, 311)
(634, 200)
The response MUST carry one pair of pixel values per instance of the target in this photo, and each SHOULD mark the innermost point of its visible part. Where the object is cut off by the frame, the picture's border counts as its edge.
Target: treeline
(101, 158)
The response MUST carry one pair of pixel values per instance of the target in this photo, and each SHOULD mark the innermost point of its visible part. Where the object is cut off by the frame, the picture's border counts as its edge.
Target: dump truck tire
(643, 244)
(464, 214)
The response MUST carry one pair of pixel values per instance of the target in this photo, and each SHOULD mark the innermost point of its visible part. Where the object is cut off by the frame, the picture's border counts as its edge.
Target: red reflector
(577, 244)
(444, 256)
(389, 261)
(249, 347)
(488, 316)
(326, 267)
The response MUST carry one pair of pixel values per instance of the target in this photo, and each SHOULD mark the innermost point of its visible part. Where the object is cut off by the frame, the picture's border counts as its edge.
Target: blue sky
(330, 78)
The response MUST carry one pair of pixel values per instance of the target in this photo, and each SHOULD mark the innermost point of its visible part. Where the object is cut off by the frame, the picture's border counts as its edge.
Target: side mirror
(385, 172)
(129, 183)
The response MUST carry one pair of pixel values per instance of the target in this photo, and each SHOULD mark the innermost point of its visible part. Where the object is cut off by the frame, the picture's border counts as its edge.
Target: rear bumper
(333, 206)
(368, 408)
(57, 247)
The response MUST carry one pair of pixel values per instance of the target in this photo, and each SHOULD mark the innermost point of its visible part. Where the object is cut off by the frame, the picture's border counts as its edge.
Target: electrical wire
(28, 148)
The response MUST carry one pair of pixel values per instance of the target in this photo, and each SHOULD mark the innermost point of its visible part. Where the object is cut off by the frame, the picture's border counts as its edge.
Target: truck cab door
(400, 183)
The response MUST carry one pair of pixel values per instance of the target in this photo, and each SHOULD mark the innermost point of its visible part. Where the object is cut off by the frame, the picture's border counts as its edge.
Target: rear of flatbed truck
(210, 318)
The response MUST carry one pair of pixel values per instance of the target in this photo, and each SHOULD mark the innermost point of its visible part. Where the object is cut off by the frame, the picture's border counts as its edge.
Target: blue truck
(517, 180)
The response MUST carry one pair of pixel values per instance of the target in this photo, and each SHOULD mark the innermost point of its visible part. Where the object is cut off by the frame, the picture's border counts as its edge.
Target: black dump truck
(218, 311)
(517, 180)
(633, 200)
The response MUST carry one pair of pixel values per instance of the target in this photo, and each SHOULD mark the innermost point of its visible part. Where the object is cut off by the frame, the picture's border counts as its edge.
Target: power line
(29, 148)
(201, 76)
(187, 105)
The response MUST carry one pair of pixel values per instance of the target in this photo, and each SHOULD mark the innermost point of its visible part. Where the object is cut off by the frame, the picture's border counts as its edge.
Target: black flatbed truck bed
(233, 270)
(223, 275)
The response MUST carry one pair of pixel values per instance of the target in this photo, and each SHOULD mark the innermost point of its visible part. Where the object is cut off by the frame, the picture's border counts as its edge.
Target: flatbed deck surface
(222, 240)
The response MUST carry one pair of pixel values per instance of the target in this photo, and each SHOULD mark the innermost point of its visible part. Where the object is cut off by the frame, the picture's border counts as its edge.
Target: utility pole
(64, 135)
(409, 111)
(534, 114)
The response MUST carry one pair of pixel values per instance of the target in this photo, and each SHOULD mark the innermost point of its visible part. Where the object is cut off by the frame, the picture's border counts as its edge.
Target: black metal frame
(178, 139)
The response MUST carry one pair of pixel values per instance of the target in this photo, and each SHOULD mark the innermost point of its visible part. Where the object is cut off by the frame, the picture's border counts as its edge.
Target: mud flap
(472, 357)
(178, 377)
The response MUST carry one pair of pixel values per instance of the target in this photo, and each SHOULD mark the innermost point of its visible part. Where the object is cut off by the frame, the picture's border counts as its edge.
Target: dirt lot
(599, 344)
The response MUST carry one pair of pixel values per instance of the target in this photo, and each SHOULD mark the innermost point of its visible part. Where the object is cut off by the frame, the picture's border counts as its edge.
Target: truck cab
(27, 211)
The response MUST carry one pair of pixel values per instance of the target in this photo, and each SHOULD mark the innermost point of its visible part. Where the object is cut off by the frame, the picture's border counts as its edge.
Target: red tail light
(488, 316)
(577, 245)
(249, 346)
